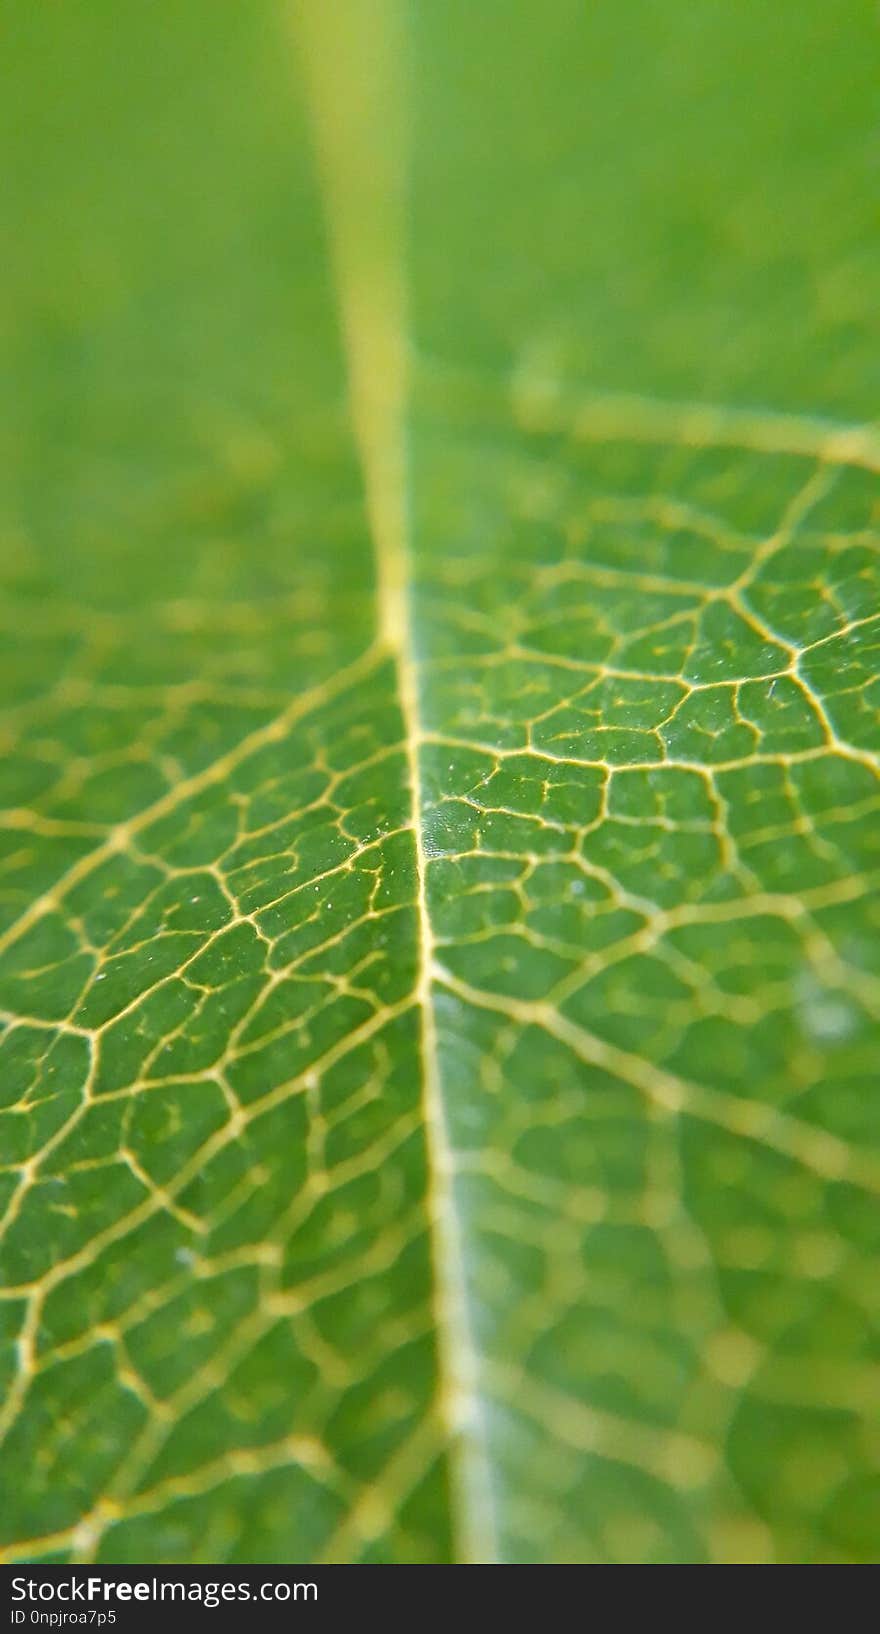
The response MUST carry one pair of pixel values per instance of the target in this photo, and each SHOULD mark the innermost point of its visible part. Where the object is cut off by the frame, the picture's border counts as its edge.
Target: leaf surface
(440, 953)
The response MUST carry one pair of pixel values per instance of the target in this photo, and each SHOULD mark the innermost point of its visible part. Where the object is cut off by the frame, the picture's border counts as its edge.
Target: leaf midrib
(357, 100)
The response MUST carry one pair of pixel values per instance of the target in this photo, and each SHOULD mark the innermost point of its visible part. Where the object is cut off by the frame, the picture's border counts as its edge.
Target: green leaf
(439, 802)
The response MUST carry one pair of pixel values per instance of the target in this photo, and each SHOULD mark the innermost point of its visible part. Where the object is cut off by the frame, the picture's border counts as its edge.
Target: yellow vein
(353, 64)
(544, 402)
(218, 771)
(826, 1154)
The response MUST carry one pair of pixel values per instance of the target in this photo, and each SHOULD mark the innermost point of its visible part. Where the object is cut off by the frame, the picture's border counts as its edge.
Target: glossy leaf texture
(440, 969)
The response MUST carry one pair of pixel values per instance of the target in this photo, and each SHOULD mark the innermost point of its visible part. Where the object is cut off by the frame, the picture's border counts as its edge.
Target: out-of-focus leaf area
(440, 948)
